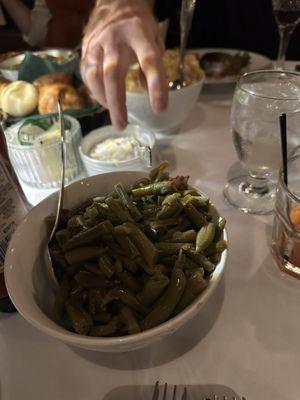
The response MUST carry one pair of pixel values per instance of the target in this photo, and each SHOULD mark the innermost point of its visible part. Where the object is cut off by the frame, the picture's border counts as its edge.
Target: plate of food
(135, 256)
(222, 66)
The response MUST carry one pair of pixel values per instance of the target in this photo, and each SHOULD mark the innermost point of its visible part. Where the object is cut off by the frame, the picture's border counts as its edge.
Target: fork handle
(186, 17)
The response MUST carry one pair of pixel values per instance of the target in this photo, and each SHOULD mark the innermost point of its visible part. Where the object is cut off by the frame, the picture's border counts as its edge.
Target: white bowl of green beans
(136, 257)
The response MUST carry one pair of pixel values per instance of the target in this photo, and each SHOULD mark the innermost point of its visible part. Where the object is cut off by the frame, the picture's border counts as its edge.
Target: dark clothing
(65, 29)
(239, 24)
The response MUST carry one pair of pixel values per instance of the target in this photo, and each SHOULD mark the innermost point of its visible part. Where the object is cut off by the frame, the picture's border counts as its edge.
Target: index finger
(150, 60)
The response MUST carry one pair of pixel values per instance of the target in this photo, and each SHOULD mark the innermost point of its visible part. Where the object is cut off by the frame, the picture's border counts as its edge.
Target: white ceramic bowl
(181, 102)
(29, 288)
(95, 167)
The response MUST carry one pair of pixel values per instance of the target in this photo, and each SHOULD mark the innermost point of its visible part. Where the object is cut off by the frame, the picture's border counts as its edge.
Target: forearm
(19, 12)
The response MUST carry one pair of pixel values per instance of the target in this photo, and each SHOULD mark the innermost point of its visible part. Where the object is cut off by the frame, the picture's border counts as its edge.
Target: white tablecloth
(245, 340)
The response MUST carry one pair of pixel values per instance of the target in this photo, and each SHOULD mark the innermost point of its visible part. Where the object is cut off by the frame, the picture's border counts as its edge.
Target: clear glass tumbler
(39, 166)
(286, 225)
(259, 99)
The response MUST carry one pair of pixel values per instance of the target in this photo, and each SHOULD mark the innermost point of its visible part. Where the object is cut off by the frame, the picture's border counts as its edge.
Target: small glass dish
(139, 159)
(39, 164)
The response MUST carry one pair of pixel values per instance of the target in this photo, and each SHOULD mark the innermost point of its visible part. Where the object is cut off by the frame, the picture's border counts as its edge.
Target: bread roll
(19, 98)
(54, 77)
(3, 83)
(49, 94)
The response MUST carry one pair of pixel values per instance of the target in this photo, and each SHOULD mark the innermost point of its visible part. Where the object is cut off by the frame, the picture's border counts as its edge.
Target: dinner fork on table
(184, 395)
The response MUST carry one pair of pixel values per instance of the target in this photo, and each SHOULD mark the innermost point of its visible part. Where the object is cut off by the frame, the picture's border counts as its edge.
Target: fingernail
(159, 105)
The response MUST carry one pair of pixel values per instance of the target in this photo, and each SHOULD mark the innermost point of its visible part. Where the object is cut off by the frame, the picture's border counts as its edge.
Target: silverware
(49, 263)
(165, 392)
(184, 396)
(186, 17)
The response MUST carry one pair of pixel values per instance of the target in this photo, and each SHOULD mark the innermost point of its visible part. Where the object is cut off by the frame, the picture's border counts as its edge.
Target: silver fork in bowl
(49, 263)
(184, 395)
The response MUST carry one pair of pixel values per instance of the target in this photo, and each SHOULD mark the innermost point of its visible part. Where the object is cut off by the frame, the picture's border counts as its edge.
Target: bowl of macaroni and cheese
(180, 103)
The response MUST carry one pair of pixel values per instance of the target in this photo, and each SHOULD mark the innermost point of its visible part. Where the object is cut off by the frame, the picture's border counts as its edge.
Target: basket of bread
(40, 84)
(20, 98)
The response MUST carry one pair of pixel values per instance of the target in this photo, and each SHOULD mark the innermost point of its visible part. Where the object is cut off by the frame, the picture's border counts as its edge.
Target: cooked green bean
(102, 317)
(126, 200)
(62, 236)
(170, 206)
(94, 269)
(131, 265)
(73, 226)
(200, 202)
(162, 176)
(129, 281)
(83, 254)
(166, 304)
(99, 199)
(164, 269)
(157, 188)
(169, 249)
(81, 321)
(95, 298)
(60, 300)
(126, 297)
(91, 213)
(140, 183)
(60, 263)
(185, 262)
(182, 225)
(125, 242)
(201, 260)
(184, 237)
(155, 171)
(88, 280)
(129, 319)
(81, 208)
(141, 241)
(197, 218)
(219, 229)
(167, 260)
(106, 265)
(215, 248)
(118, 209)
(105, 330)
(195, 284)
(205, 237)
(132, 259)
(90, 235)
(153, 288)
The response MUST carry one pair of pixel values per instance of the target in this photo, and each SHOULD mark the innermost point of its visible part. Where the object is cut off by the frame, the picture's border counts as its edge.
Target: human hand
(118, 33)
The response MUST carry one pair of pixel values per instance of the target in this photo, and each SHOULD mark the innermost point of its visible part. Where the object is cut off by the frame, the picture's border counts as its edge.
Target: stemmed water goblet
(287, 16)
(259, 99)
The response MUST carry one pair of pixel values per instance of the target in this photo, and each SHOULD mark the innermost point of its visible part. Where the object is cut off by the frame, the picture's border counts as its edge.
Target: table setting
(160, 262)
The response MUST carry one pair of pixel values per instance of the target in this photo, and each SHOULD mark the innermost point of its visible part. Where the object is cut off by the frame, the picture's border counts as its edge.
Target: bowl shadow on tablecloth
(195, 392)
(167, 349)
